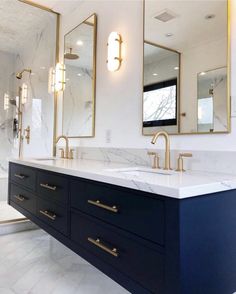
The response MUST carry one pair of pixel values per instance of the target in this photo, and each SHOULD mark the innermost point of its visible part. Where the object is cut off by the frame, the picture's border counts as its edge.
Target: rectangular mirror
(79, 94)
(186, 67)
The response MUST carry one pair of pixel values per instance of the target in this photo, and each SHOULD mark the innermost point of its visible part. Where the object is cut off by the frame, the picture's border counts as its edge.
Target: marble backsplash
(212, 161)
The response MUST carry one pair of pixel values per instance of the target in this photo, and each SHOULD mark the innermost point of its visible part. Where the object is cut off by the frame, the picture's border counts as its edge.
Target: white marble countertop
(177, 185)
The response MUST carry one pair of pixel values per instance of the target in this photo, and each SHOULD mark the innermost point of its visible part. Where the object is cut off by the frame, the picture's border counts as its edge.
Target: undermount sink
(136, 171)
(46, 159)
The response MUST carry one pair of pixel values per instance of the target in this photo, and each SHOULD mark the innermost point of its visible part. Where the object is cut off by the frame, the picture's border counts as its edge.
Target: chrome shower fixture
(20, 74)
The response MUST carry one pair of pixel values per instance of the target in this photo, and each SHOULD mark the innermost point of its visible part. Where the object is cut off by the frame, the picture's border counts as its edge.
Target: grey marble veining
(34, 263)
(212, 161)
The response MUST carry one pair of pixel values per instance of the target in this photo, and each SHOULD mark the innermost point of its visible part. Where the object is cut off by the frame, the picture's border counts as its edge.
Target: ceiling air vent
(165, 15)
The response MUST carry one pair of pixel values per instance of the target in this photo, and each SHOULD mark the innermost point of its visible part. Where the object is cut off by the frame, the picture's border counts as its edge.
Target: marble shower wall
(38, 54)
(7, 82)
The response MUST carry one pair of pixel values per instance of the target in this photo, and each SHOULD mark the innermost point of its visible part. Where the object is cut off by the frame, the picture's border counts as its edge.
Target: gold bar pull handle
(19, 176)
(20, 198)
(48, 214)
(47, 186)
(104, 206)
(99, 244)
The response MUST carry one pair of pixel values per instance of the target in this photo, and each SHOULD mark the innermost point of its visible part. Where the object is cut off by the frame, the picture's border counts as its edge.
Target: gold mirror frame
(179, 91)
(58, 16)
(94, 74)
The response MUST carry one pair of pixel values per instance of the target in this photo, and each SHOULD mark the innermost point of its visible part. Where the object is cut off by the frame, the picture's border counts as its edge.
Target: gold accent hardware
(47, 186)
(98, 243)
(167, 147)
(66, 153)
(19, 197)
(99, 204)
(155, 159)
(62, 153)
(181, 162)
(27, 134)
(71, 155)
(48, 214)
(19, 176)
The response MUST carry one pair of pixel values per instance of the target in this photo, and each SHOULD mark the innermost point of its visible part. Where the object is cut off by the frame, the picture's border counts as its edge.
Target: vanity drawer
(23, 175)
(143, 216)
(23, 198)
(140, 263)
(52, 214)
(52, 187)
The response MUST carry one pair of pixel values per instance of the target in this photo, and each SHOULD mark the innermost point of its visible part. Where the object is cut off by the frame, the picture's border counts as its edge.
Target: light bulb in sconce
(114, 51)
(24, 93)
(57, 78)
(6, 101)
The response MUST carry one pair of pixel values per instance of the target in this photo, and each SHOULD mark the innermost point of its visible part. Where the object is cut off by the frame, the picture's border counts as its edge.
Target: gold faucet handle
(62, 153)
(180, 162)
(71, 155)
(156, 159)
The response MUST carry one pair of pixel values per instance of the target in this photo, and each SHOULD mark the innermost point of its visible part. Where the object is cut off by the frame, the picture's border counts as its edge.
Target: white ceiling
(17, 22)
(189, 28)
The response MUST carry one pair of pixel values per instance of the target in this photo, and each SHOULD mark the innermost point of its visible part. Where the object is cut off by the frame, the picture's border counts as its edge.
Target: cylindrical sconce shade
(114, 52)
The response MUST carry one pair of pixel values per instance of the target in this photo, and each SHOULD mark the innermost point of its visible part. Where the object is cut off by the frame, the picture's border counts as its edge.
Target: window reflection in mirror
(196, 34)
(79, 94)
(161, 88)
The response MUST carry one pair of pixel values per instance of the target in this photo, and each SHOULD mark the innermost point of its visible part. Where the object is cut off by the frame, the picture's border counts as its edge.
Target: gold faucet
(66, 153)
(167, 147)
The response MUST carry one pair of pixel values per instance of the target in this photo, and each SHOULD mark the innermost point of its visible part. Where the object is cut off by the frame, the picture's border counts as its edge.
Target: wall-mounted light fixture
(6, 101)
(57, 78)
(24, 93)
(114, 51)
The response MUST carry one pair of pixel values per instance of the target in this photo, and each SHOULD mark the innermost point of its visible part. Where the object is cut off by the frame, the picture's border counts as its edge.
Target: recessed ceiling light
(155, 74)
(43, 67)
(176, 68)
(80, 43)
(202, 73)
(210, 16)
(169, 35)
(79, 74)
(67, 79)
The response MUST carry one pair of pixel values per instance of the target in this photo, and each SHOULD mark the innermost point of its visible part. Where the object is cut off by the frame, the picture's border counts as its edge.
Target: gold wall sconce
(57, 79)
(114, 51)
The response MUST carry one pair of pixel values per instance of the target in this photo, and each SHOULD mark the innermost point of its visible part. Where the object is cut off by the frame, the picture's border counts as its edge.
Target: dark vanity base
(164, 245)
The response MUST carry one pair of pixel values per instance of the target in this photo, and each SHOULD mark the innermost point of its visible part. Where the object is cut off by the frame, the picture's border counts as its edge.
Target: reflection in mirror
(79, 94)
(177, 39)
(161, 88)
(212, 106)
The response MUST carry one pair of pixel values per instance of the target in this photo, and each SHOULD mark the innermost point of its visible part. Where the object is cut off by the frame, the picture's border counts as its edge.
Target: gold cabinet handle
(48, 214)
(47, 186)
(98, 243)
(19, 176)
(99, 204)
(20, 198)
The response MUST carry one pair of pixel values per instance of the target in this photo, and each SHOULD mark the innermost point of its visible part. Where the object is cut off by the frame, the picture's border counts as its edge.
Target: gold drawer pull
(20, 198)
(98, 243)
(47, 186)
(19, 176)
(99, 204)
(48, 214)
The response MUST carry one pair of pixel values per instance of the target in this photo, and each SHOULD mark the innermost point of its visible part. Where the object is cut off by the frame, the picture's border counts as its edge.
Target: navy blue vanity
(148, 243)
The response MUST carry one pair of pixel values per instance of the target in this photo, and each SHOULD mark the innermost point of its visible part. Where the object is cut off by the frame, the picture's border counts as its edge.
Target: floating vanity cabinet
(148, 243)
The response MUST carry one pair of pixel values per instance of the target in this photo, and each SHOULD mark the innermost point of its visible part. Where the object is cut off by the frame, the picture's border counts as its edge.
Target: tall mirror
(79, 94)
(186, 67)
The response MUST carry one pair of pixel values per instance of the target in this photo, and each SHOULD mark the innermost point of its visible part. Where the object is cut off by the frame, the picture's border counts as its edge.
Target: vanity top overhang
(177, 185)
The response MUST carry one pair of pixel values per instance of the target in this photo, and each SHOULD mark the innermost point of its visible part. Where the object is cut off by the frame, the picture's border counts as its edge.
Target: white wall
(119, 94)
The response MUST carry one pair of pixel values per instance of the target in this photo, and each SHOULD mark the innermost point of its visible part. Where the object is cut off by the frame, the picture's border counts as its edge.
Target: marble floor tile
(7, 212)
(33, 262)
